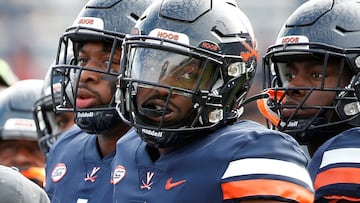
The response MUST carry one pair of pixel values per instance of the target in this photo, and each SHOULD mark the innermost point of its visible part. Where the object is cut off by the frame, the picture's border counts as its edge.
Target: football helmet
(16, 120)
(106, 21)
(322, 30)
(44, 114)
(16, 105)
(171, 37)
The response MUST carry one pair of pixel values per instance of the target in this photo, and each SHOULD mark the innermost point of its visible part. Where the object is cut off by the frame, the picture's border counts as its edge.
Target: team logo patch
(118, 174)
(148, 183)
(91, 176)
(58, 173)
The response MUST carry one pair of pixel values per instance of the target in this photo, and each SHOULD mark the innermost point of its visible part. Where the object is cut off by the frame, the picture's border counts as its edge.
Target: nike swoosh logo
(170, 185)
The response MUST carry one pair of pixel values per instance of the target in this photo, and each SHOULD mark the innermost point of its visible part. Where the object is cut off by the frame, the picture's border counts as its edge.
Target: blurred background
(30, 31)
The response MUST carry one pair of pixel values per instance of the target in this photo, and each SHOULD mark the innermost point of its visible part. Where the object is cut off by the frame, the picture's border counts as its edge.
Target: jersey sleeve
(268, 165)
(335, 168)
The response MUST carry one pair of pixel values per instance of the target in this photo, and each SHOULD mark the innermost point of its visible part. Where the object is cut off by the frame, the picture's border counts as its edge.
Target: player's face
(21, 153)
(64, 120)
(307, 74)
(176, 108)
(26, 156)
(176, 77)
(96, 89)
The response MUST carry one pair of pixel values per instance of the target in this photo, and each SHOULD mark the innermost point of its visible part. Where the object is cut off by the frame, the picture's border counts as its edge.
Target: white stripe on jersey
(82, 200)
(344, 155)
(267, 166)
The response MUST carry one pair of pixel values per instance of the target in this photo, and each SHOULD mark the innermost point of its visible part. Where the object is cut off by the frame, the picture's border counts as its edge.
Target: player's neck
(106, 145)
(163, 150)
(155, 153)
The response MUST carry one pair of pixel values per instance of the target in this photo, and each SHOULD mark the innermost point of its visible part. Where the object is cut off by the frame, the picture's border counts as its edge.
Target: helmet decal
(20, 124)
(208, 45)
(170, 35)
(16, 107)
(291, 39)
(96, 23)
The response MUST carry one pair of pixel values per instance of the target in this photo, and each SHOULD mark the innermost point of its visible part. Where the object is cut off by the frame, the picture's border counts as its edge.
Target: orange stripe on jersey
(248, 188)
(336, 198)
(337, 175)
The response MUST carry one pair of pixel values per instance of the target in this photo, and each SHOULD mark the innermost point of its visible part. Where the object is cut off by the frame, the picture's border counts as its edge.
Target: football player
(18, 139)
(78, 164)
(50, 125)
(313, 92)
(186, 69)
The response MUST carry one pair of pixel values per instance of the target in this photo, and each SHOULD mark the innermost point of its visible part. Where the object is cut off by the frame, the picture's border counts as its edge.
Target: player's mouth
(155, 110)
(84, 99)
(295, 110)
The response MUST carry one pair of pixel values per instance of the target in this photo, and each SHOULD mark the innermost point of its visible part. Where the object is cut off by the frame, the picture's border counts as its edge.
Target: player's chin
(167, 118)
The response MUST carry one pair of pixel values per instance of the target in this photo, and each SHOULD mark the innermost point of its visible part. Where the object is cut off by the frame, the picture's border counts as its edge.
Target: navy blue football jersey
(241, 161)
(75, 172)
(335, 167)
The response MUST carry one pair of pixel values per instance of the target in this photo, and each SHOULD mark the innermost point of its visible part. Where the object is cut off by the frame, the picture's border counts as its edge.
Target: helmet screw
(357, 61)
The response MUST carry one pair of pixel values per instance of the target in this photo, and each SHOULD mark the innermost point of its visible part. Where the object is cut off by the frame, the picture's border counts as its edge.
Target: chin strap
(270, 96)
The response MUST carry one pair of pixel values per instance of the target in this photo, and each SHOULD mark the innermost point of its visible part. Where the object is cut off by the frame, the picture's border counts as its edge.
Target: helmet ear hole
(347, 109)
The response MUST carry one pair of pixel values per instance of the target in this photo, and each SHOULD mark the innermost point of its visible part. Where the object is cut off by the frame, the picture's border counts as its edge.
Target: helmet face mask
(181, 75)
(47, 128)
(50, 125)
(304, 108)
(324, 50)
(98, 118)
(174, 85)
(187, 72)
